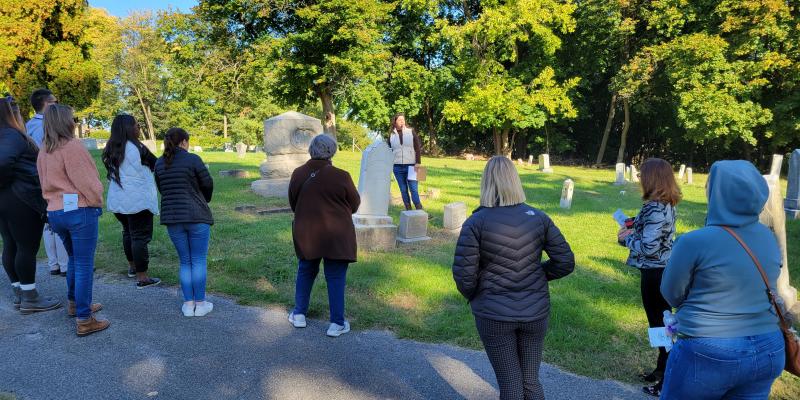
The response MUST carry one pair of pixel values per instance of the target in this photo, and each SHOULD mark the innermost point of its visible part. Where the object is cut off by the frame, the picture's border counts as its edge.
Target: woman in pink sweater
(74, 195)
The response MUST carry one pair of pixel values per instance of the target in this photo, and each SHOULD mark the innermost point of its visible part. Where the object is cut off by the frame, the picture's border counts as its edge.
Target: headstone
(150, 144)
(251, 148)
(544, 163)
(286, 140)
(469, 156)
(519, 162)
(777, 163)
(454, 216)
(374, 227)
(197, 149)
(566, 194)
(234, 173)
(682, 172)
(634, 174)
(774, 217)
(434, 193)
(792, 201)
(413, 227)
(241, 149)
(689, 176)
(90, 143)
(227, 147)
(628, 173)
(620, 174)
(530, 160)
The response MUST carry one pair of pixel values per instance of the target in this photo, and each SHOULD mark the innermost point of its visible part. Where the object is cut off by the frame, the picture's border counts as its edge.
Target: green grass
(7, 396)
(597, 326)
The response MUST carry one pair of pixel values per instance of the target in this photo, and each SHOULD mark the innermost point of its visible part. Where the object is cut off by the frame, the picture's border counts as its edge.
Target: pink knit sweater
(69, 169)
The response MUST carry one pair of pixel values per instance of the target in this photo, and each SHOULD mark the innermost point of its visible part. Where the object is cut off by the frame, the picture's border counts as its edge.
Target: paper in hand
(70, 202)
(412, 173)
(620, 217)
(659, 338)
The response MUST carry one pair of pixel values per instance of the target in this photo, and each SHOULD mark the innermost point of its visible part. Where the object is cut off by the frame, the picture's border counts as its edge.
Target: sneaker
(188, 310)
(297, 320)
(148, 283)
(336, 330)
(55, 272)
(131, 273)
(200, 310)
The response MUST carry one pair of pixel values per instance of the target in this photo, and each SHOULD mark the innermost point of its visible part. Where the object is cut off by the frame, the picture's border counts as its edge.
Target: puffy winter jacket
(498, 262)
(18, 169)
(186, 188)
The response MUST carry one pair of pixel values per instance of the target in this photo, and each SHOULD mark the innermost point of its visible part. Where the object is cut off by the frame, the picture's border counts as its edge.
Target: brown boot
(91, 325)
(32, 302)
(72, 310)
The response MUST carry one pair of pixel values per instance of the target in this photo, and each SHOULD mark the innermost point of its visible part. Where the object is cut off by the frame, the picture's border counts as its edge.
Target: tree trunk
(152, 131)
(501, 144)
(146, 113)
(612, 109)
(626, 125)
(433, 148)
(328, 112)
(498, 145)
(225, 126)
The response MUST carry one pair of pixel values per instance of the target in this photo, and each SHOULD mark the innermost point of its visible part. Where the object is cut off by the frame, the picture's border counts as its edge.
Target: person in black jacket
(498, 268)
(22, 209)
(186, 188)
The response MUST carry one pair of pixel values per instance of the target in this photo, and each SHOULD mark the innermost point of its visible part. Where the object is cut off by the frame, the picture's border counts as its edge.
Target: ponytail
(172, 140)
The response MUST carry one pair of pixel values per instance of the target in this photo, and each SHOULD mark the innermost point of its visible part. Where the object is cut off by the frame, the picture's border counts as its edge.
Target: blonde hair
(500, 184)
(59, 126)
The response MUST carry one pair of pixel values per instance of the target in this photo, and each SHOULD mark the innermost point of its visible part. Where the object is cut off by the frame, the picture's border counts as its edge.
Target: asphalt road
(152, 352)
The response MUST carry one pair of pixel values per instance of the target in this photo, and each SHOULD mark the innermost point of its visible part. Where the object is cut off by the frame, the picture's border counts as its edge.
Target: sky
(122, 8)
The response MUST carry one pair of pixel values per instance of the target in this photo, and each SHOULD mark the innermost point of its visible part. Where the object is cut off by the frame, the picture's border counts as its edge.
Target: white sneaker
(336, 330)
(188, 310)
(201, 309)
(297, 320)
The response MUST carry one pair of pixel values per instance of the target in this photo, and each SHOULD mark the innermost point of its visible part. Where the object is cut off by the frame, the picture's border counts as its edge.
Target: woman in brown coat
(323, 199)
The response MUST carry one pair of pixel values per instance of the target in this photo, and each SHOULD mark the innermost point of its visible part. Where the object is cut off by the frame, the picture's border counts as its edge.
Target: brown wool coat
(323, 223)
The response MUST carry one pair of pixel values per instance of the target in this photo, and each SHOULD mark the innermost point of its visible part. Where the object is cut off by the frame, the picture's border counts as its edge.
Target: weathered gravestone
(241, 149)
(620, 174)
(544, 163)
(454, 216)
(566, 194)
(374, 227)
(413, 227)
(634, 174)
(286, 141)
(774, 217)
(530, 160)
(777, 164)
(689, 176)
(682, 172)
(792, 202)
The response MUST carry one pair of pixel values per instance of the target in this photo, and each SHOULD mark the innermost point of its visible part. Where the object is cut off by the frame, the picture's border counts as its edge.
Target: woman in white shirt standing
(132, 195)
(407, 150)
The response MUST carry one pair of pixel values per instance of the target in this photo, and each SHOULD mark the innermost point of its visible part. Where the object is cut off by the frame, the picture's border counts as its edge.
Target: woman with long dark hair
(22, 209)
(407, 150)
(186, 188)
(650, 245)
(132, 194)
(74, 195)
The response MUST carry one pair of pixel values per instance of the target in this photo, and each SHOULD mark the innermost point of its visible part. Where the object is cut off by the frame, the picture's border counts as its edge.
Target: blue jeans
(335, 276)
(191, 242)
(724, 368)
(401, 175)
(78, 232)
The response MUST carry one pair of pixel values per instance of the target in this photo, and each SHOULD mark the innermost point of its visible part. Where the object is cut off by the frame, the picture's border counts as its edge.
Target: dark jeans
(78, 231)
(137, 232)
(724, 368)
(335, 276)
(654, 306)
(515, 351)
(191, 243)
(401, 175)
(18, 226)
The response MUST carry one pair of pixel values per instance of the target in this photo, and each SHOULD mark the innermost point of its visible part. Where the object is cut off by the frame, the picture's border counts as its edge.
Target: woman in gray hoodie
(729, 342)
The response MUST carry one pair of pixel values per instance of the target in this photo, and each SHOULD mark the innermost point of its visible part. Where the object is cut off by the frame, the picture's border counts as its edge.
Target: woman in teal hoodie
(729, 343)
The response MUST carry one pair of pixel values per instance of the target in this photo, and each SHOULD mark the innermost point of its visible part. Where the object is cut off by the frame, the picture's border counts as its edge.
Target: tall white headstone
(792, 201)
(777, 163)
(544, 163)
(566, 194)
(682, 172)
(620, 174)
(689, 176)
(634, 174)
(374, 227)
(241, 149)
(530, 160)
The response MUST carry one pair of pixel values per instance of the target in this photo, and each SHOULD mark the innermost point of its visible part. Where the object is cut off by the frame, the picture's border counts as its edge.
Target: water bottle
(670, 322)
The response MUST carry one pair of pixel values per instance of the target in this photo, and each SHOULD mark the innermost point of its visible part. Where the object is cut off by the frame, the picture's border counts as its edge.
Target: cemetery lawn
(597, 325)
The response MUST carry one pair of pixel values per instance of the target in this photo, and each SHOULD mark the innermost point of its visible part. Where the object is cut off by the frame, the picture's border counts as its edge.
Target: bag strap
(770, 294)
(313, 175)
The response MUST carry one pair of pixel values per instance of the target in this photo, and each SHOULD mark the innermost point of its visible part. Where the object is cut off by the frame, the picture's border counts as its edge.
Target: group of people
(50, 186)
(728, 341)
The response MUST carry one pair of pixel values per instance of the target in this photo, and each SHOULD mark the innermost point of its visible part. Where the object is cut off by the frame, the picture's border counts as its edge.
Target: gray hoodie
(710, 279)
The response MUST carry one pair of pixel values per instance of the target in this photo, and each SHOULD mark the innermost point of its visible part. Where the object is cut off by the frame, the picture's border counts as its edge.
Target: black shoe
(149, 282)
(64, 274)
(654, 390)
(131, 273)
(55, 272)
(651, 377)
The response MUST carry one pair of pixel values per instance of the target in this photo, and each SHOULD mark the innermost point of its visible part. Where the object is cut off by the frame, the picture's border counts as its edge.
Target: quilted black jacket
(18, 169)
(498, 262)
(186, 188)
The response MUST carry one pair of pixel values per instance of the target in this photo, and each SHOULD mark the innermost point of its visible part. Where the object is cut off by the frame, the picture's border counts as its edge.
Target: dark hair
(658, 182)
(394, 119)
(38, 97)
(123, 129)
(10, 117)
(172, 140)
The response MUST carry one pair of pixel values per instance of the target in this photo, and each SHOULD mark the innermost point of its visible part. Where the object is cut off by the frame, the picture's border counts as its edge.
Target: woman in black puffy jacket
(498, 268)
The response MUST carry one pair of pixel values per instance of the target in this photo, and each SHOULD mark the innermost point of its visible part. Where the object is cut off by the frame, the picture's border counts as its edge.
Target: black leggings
(137, 231)
(21, 228)
(515, 351)
(654, 306)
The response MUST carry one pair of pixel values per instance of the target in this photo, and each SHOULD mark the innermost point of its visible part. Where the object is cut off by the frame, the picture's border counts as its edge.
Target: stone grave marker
(634, 174)
(454, 216)
(227, 147)
(413, 227)
(90, 143)
(689, 176)
(530, 160)
(544, 163)
(682, 172)
(241, 149)
(792, 201)
(197, 149)
(620, 174)
(566, 194)
(374, 227)
(777, 163)
(286, 140)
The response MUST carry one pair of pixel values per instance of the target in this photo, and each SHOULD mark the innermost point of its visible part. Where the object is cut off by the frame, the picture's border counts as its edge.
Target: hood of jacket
(736, 193)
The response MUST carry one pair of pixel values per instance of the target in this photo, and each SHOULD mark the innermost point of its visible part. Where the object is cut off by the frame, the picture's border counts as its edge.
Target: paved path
(236, 352)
